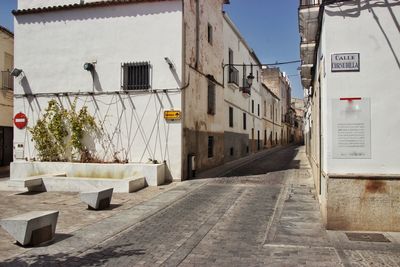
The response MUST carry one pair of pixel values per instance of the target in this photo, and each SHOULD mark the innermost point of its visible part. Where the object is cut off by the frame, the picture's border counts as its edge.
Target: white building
(144, 58)
(243, 121)
(350, 52)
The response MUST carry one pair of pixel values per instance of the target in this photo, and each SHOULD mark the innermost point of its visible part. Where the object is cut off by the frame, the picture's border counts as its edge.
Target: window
(210, 146)
(258, 109)
(265, 108)
(244, 121)
(233, 72)
(231, 151)
(271, 110)
(211, 98)
(252, 106)
(257, 75)
(245, 85)
(136, 76)
(230, 117)
(210, 34)
(265, 137)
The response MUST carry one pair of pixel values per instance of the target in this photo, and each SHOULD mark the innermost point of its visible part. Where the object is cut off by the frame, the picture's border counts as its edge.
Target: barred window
(136, 76)
(211, 98)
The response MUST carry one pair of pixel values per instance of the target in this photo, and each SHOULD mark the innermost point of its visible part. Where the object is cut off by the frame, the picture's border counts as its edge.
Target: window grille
(233, 75)
(136, 76)
(7, 80)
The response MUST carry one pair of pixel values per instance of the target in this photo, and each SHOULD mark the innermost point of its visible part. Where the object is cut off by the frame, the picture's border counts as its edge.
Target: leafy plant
(59, 134)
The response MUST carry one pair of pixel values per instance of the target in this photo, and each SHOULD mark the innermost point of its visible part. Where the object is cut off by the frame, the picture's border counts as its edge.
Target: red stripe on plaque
(350, 98)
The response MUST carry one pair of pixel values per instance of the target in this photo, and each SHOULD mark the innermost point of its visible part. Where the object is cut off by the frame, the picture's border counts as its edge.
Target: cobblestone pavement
(258, 220)
(74, 214)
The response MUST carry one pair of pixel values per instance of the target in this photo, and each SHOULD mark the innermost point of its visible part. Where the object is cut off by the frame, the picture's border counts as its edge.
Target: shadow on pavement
(280, 160)
(94, 258)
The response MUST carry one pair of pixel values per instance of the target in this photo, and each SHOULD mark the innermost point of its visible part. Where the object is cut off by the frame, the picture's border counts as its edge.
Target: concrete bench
(32, 228)
(34, 183)
(97, 199)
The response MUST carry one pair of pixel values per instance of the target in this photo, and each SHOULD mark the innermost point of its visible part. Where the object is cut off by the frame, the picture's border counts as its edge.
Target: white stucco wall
(371, 31)
(52, 47)
(232, 95)
(25, 4)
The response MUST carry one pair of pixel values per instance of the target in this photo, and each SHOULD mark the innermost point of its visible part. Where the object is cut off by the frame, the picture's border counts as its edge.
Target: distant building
(271, 117)
(6, 96)
(350, 54)
(279, 84)
(298, 127)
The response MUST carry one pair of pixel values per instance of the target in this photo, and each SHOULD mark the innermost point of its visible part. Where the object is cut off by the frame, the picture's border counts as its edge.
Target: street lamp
(250, 79)
(16, 72)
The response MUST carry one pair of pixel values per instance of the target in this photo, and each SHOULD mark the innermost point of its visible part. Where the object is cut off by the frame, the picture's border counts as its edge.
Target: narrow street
(268, 219)
(282, 159)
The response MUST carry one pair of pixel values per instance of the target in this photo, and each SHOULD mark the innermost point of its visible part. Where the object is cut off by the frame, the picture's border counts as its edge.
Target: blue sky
(270, 27)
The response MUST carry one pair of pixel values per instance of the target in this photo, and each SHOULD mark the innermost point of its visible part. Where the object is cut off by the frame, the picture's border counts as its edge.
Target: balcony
(306, 82)
(233, 77)
(306, 75)
(308, 3)
(308, 20)
(307, 53)
(7, 81)
(246, 89)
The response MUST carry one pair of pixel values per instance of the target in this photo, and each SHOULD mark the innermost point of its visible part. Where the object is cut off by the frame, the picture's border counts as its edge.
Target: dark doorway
(6, 143)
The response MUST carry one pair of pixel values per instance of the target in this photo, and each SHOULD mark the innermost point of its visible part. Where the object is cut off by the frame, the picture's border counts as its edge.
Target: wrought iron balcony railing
(310, 3)
(233, 75)
(7, 81)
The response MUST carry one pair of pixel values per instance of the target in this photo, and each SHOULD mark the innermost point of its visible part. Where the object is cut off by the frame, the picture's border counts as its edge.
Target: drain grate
(367, 237)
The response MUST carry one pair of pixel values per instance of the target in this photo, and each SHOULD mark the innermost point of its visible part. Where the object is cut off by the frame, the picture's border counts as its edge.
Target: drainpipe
(183, 94)
(320, 139)
(197, 33)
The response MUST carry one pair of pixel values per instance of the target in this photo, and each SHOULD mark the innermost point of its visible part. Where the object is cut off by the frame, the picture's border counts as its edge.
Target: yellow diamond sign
(172, 115)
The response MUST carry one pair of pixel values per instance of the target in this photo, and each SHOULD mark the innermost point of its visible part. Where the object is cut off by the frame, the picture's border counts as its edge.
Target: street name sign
(345, 62)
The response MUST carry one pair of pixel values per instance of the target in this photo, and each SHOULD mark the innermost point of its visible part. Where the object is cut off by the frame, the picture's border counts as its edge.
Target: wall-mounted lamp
(88, 66)
(16, 72)
(169, 62)
(250, 79)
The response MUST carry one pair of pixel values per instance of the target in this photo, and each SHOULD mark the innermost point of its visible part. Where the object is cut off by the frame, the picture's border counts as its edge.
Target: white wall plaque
(345, 62)
(351, 118)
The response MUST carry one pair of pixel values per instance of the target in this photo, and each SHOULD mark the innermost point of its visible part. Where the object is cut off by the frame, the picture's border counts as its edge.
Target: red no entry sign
(20, 120)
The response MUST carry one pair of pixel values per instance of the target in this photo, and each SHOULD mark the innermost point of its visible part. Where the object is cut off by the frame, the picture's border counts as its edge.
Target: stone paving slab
(260, 220)
(74, 214)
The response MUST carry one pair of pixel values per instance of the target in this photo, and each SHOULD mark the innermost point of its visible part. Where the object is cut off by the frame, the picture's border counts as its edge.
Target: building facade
(185, 62)
(298, 128)
(279, 83)
(6, 96)
(350, 52)
(243, 122)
